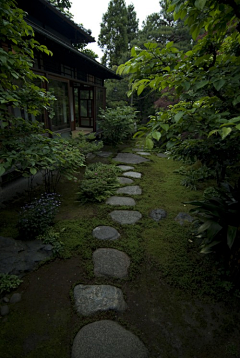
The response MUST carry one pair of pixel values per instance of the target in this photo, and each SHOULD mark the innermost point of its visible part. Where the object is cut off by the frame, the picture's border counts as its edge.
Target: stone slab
(120, 201)
(105, 233)
(130, 158)
(182, 218)
(134, 175)
(125, 167)
(162, 155)
(130, 190)
(107, 339)
(110, 263)
(126, 216)
(123, 180)
(19, 257)
(143, 153)
(158, 214)
(90, 299)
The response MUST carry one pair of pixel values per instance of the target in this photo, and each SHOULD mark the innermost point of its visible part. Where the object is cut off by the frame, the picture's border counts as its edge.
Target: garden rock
(125, 167)
(110, 263)
(107, 339)
(16, 297)
(120, 201)
(4, 310)
(130, 158)
(133, 175)
(162, 155)
(125, 216)
(158, 214)
(182, 218)
(105, 233)
(90, 299)
(18, 257)
(130, 190)
(123, 180)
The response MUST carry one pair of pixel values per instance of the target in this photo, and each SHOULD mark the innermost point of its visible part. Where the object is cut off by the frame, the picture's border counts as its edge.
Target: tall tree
(119, 26)
(132, 26)
(160, 28)
(113, 38)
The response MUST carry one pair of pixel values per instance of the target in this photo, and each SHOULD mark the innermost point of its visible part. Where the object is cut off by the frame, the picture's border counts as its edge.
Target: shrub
(8, 282)
(218, 219)
(100, 182)
(52, 237)
(36, 217)
(117, 124)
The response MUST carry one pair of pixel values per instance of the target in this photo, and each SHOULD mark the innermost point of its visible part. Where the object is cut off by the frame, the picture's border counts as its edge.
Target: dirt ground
(170, 323)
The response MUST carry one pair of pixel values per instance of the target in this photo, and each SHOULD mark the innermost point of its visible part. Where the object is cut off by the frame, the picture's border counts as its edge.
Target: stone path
(107, 339)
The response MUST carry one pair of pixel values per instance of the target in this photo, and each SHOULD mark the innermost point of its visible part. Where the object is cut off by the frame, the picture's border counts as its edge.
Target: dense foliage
(205, 80)
(117, 124)
(36, 217)
(100, 181)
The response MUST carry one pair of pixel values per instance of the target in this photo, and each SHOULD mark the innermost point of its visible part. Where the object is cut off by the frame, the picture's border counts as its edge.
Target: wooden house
(76, 80)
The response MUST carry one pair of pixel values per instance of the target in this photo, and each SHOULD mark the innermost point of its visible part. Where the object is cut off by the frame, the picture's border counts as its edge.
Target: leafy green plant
(117, 124)
(218, 219)
(52, 237)
(100, 182)
(8, 282)
(36, 217)
(192, 176)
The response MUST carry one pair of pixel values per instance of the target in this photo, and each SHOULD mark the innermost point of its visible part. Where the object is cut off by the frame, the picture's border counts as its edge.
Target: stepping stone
(137, 149)
(130, 158)
(104, 154)
(162, 155)
(143, 153)
(110, 263)
(90, 299)
(125, 167)
(182, 218)
(107, 339)
(158, 214)
(135, 175)
(123, 180)
(126, 216)
(120, 201)
(130, 190)
(105, 233)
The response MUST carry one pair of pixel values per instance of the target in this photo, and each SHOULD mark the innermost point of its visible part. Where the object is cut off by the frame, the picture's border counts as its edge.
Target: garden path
(105, 338)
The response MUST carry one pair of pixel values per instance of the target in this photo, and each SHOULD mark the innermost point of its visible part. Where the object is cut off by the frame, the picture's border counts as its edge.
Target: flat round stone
(125, 167)
(158, 214)
(105, 233)
(130, 158)
(110, 263)
(107, 339)
(123, 180)
(90, 299)
(120, 201)
(130, 190)
(135, 175)
(126, 216)
(182, 218)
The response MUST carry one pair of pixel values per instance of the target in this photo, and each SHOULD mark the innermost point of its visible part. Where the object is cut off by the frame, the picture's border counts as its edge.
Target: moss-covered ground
(178, 304)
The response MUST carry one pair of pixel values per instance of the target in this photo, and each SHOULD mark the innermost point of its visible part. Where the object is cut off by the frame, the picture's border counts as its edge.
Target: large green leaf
(178, 116)
(200, 4)
(231, 235)
(225, 132)
(218, 84)
(156, 135)
(201, 84)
